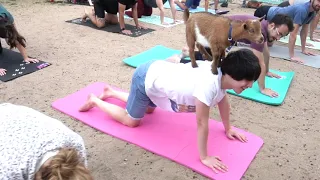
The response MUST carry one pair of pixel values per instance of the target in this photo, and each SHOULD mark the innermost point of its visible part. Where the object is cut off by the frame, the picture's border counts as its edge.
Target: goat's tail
(186, 15)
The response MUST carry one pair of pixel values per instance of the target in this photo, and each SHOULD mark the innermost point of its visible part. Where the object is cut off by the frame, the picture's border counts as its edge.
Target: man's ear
(262, 18)
(245, 26)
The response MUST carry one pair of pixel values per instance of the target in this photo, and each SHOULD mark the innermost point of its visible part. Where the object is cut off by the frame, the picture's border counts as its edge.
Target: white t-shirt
(28, 138)
(175, 87)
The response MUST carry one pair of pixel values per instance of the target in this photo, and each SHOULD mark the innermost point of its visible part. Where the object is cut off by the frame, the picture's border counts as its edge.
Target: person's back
(29, 138)
(298, 12)
(180, 83)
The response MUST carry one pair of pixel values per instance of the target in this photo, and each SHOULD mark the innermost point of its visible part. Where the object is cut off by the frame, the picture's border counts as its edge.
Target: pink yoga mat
(171, 135)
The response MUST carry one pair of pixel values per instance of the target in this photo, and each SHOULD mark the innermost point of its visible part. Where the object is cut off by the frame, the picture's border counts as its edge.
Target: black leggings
(284, 4)
(261, 11)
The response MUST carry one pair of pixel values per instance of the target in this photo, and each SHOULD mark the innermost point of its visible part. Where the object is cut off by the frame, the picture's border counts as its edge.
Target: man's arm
(261, 80)
(303, 36)
(121, 10)
(292, 40)
(202, 114)
(135, 14)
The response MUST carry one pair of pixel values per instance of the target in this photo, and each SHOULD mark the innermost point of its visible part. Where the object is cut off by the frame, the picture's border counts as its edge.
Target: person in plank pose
(314, 21)
(159, 83)
(99, 18)
(37, 147)
(302, 15)
(145, 8)
(272, 30)
(9, 32)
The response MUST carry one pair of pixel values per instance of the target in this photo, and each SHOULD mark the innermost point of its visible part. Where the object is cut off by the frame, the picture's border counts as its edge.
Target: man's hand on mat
(214, 163)
(269, 92)
(315, 39)
(273, 75)
(126, 31)
(297, 60)
(309, 44)
(2, 72)
(141, 27)
(231, 134)
(29, 60)
(308, 53)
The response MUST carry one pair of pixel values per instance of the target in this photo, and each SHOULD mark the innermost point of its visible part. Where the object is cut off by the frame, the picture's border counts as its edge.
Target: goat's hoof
(215, 71)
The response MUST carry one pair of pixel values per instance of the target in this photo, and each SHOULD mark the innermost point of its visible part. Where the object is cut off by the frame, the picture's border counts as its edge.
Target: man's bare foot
(85, 15)
(185, 52)
(107, 92)
(89, 103)
(174, 59)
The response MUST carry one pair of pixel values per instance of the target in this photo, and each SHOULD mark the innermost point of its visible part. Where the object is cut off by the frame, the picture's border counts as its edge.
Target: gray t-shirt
(26, 135)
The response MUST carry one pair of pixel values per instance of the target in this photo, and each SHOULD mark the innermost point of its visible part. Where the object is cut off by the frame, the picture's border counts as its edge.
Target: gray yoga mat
(115, 28)
(283, 53)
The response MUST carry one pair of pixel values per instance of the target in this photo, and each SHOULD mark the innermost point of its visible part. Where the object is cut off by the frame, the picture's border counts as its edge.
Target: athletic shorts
(261, 11)
(138, 101)
(110, 8)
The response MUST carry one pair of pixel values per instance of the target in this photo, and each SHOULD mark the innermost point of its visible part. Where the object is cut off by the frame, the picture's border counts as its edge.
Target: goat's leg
(191, 42)
(215, 59)
(204, 53)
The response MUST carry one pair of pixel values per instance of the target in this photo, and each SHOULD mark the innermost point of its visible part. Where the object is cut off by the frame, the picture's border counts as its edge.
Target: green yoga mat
(281, 86)
(316, 45)
(158, 52)
(155, 20)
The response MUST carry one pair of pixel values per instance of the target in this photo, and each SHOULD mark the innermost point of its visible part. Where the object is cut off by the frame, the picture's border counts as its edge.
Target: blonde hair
(66, 165)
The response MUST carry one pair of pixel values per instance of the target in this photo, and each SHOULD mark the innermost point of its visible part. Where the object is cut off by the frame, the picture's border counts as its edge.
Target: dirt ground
(82, 55)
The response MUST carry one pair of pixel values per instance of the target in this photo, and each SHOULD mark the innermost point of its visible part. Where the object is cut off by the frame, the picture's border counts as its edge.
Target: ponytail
(66, 166)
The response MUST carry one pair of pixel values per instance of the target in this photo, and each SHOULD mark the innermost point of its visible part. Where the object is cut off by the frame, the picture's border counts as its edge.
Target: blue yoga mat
(281, 86)
(158, 52)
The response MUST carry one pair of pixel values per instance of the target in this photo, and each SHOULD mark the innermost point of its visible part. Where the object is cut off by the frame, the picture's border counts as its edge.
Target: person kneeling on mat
(146, 4)
(99, 18)
(9, 32)
(37, 147)
(181, 88)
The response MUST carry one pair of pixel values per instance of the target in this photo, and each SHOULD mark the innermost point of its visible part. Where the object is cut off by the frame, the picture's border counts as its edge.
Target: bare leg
(108, 92)
(117, 113)
(112, 19)
(99, 22)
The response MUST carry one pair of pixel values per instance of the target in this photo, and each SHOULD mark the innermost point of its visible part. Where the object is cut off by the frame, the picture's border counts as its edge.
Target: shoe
(224, 4)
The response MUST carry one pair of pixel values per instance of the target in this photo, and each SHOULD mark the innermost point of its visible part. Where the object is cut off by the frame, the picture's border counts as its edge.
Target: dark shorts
(261, 11)
(110, 8)
(284, 4)
(3, 33)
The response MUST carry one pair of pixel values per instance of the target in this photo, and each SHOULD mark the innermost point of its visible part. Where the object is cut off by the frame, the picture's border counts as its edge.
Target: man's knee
(100, 23)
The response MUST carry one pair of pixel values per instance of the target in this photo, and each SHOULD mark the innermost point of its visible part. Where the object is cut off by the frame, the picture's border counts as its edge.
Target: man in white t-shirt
(178, 87)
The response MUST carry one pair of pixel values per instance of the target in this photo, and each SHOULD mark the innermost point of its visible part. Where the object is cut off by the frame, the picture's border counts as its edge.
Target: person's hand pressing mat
(15, 67)
(113, 28)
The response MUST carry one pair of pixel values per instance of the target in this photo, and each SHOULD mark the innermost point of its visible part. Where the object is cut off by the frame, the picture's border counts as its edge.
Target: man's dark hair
(280, 19)
(241, 65)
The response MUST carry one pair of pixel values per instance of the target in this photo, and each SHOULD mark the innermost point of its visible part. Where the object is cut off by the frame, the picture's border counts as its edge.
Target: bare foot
(89, 104)
(185, 52)
(174, 59)
(84, 17)
(107, 92)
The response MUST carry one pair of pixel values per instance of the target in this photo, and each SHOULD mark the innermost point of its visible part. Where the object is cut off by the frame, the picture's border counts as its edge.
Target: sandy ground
(82, 55)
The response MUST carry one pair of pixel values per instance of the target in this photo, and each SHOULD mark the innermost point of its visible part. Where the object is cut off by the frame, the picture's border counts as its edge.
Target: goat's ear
(262, 18)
